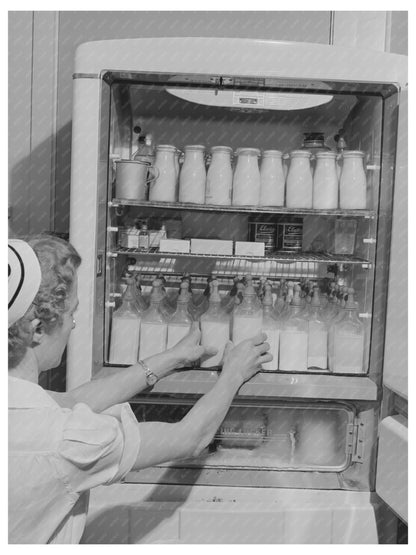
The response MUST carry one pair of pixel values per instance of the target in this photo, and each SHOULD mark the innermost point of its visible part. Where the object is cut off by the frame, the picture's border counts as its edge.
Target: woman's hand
(189, 348)
(245, 359)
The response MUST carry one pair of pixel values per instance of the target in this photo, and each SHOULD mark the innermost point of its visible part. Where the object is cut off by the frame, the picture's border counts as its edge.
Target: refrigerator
(296, 458)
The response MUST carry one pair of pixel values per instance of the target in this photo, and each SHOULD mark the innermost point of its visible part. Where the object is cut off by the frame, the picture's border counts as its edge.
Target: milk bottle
(154, 325)
(193, 175)
(215, 328)
(219, 177)
(353, 181)
(293, 354)
(271, 328)
(247, 316)
(125, 329)
(347, 341)
(164, 188)
(272, 179)
(325, 181)
(180, 323)
(317, 334)
(299, 180)
(246, 180)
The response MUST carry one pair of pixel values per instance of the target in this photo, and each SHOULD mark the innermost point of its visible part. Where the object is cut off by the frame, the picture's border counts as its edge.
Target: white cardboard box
(249, 248)
(174, 245)
(211, 246)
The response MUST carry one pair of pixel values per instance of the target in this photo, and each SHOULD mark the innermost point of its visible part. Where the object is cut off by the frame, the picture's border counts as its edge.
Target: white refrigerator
(298, 457)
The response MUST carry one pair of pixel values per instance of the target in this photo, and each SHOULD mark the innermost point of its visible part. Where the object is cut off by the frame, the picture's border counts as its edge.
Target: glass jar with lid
(314, 142)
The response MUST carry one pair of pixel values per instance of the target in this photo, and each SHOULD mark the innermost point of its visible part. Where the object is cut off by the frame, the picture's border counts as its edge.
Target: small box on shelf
(249, 248)
(212, 246)
(175, 245)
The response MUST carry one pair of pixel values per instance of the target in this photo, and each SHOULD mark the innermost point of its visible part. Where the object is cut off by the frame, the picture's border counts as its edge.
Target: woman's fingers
(263, 348)
(265, 358)
(259, 338)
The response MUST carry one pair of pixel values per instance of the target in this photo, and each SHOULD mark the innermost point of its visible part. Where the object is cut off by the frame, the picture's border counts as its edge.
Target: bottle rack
(278, 265)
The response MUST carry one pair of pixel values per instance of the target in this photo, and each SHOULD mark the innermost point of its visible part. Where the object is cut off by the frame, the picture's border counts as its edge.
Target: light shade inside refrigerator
(262, 437)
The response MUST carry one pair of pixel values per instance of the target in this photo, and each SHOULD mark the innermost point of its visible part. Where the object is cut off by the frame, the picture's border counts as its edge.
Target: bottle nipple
(350, 304)
(215, 296)
(268, 297)
(316, 301)
(157, 293)
(184, 293)
(296, 301)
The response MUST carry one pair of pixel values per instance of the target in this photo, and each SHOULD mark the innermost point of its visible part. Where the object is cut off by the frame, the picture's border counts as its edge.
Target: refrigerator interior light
(251, 99)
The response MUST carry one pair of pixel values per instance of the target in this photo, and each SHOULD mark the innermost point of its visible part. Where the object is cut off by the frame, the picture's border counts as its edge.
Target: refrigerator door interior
(157, 103)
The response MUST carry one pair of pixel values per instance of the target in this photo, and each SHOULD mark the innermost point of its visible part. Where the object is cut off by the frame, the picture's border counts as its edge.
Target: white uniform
(56, 456)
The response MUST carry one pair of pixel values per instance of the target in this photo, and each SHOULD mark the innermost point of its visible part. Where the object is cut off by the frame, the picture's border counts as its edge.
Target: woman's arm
(161, 442)
(122, 384)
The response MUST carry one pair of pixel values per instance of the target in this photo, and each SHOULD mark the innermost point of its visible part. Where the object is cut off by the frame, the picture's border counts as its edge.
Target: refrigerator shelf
(279, 265)
(271, 385)
(367, 214)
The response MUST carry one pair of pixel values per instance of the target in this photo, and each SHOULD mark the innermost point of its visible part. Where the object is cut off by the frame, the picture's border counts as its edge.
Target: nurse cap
(24, 278)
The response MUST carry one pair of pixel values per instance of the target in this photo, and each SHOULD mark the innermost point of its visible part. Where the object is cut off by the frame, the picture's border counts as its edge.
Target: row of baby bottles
(305, 330)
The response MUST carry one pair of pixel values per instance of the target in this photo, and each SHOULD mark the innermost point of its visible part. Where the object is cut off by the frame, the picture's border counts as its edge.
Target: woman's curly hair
(58, 263)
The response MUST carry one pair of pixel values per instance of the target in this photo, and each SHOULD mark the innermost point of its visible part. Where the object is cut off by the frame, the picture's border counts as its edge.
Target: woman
(62, 445)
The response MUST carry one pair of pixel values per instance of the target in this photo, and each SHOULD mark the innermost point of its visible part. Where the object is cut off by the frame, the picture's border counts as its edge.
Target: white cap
(24, 279)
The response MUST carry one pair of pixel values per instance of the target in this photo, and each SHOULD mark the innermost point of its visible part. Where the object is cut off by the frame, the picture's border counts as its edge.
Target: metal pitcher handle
(156, 173)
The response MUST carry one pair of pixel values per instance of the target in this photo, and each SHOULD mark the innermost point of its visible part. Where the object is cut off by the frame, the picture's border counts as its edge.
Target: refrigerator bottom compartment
(157, 513)
(267, 437)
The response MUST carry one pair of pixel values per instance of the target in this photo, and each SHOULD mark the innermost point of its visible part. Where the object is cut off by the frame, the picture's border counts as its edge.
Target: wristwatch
(151, 377)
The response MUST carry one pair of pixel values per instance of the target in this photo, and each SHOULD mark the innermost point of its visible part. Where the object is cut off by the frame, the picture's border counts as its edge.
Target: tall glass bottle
(317, 334)
(247, 316)
(271, 328)
(293, 354)
(180, 323)
(215, 328)
(154, 325)
(125, 329)
(347, 341)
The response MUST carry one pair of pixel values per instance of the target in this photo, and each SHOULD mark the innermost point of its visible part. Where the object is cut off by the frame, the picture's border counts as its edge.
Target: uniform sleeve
(98, 449)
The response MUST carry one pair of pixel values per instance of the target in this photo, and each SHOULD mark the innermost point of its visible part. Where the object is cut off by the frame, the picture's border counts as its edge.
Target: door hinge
(355, 441)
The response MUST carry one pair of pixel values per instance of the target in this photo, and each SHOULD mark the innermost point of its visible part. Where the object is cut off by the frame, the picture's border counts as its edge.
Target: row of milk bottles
(320, 180)
(309, 331)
